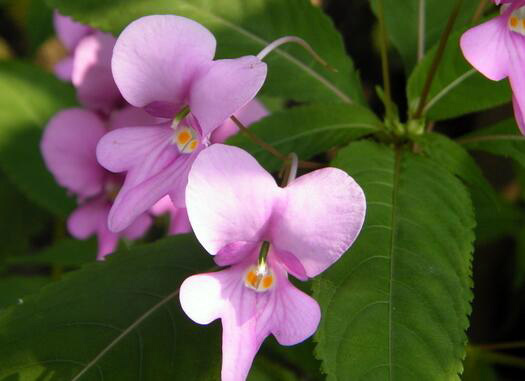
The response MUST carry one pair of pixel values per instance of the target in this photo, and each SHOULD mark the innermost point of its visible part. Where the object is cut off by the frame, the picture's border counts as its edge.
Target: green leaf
(403, 23)
(39, 24)
(308, 131)
(29, 98)
(246, 27)
(396, 305)
(13, 289)
(503, 139)
(20, 220)
(115, 320)
(454, 84)
(453, 157)
(68, 252)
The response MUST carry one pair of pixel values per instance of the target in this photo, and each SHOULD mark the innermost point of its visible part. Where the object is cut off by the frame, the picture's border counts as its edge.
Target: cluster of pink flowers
(496, 49)
(157, 107)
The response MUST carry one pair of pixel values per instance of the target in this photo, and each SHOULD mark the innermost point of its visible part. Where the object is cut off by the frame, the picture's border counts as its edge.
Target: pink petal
(139, 227)
(518, 114)
(179, 221)
(64, 69)
(229, 197)
(136, 197)
(248, 317)
(69, 32)
(319, 218)
(235, 252)
(516, 45)
(124, 148)
(224, 88)
(155, 59)
(92, 72)
(130, 116)
(107, 242)
(485, 47)
(249, 114)
(68, 147)
(87, 219)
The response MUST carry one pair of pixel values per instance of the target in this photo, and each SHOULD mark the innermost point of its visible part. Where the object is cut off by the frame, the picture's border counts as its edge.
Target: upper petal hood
(229, 197)
(224, 88)
(319, 218)
(156, 57)
(69, 32)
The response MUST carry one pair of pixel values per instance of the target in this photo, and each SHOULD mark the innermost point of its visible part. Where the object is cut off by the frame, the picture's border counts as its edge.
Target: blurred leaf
(117, 320)
(503, 139)
(308, 131)
(456, 159)
(396, 305)
(403, 23)
(39, 24)
(457, 88)
(68, 252)
(20, 220)
(28, 99)
(14, 289)
(245, 28)
(264, 369)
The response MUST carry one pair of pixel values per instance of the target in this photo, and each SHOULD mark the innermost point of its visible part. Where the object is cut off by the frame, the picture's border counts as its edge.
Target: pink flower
(165, 65)
(496, 48)
(237, 212)
(68, 147)
(88, 66)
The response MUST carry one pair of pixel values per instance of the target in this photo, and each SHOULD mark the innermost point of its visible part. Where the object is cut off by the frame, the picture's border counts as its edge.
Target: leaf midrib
(124, 333)
(395, 189)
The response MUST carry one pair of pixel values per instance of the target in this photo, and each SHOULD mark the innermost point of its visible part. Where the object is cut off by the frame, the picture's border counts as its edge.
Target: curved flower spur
(164, 64)
(496, 49)
(263, 233)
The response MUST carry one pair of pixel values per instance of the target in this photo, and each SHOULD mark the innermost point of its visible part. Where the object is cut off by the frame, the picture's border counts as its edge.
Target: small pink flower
(237, 210)
(165, 65)
(496, 48)
(68, 147)
(88, 66)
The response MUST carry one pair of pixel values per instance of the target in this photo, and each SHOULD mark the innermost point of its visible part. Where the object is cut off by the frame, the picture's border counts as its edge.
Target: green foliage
(16, 288)
(20, 220)
(29, 98)
(396, 305)
(403, 23)
(308, 131)
(118, 320)
(244, 28)
(39, 24)
(503, 139)
(454, 85)
(454, 158)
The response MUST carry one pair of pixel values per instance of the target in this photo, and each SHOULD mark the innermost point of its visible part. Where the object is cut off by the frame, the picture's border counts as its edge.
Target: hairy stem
(437, 59)
(479, 11)
(421, 31)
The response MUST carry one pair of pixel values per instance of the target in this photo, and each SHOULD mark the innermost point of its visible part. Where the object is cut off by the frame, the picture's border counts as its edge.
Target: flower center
(186, 139)
(259, 278)
(516, 21)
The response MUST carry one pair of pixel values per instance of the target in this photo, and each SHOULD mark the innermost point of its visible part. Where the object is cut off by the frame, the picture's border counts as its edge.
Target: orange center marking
(184, 137)
(513, 22)
(267, 281)
(251, 278)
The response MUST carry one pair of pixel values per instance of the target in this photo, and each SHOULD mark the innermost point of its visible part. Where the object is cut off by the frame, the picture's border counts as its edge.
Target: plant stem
(269, 148)
(421, 31)
(437, 60)
(384, 60)
(499, 358)
(479, 11)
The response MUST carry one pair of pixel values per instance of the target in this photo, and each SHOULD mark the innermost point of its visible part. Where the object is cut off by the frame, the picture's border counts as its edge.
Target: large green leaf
(407, 26)
(503, 139)
(457, 88)
(308, 130)
(13, 289)
(113, 320)
(396, 306)
(245, 27)
(28, 99)
(453, 157)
